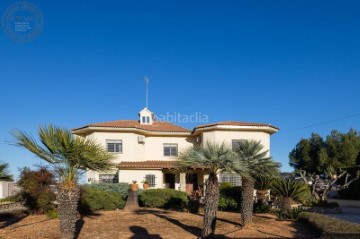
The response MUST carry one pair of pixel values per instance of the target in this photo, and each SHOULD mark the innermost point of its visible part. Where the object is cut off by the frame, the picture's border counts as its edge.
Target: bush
(36, 189)
(14, 198)
(52, 214)
(230, 198)
(163, 198)
(260, 207)
(330, 227)
(193, 206)
(94, 199)
(293, 214)
(120, 189)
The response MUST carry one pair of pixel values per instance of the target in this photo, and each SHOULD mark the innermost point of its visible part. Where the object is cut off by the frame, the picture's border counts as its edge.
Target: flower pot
(145, 186)
(134, 187)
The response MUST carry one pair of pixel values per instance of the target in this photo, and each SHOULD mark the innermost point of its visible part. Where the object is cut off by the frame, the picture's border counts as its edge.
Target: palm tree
(69, 156)
(4, 174)
(289, 190)
(251, 154)
(216, 158)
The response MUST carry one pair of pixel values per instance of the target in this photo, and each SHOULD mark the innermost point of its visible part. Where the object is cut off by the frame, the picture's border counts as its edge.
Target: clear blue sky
(288, 63)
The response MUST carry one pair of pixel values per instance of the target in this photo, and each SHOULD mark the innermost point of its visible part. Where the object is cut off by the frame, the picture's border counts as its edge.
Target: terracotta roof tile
(157, 126)
(156, 164)
(235, 123)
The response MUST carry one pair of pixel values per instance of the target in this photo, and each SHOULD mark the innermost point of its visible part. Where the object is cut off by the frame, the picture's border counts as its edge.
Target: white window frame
(233, 178)
(108, 178)
(171, 146)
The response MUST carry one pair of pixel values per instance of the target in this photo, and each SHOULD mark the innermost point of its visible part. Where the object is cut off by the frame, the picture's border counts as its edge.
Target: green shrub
(225, 185)
(52, 214)
(193, 206)
(163, 198)
(230, 198)
(14, 198)
(94, 199)
(330, 227)
(260, 207)
(120, 189)
(293, 214)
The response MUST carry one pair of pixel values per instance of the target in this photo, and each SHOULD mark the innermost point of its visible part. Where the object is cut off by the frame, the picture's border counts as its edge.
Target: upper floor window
(114, 146)
(170, 149)
(108, 178)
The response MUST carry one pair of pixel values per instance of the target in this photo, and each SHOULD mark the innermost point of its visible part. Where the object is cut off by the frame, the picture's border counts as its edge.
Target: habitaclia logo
(176, 117)
(22, 22)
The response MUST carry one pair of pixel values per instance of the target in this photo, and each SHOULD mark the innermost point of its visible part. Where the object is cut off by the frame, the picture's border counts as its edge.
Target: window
(108, 178)
(232, 178)
(170, 150)
(235, 143)
(114, 146)
(151, 179)
(148, 119)
(143, 119)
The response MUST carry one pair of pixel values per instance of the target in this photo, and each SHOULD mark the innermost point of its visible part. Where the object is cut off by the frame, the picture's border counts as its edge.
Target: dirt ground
(152, 224)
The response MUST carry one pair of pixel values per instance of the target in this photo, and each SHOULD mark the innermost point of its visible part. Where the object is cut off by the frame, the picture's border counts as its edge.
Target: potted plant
(134, 186)
(145, 184)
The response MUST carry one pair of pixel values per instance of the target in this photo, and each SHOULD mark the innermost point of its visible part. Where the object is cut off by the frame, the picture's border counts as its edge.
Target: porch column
(183, 182)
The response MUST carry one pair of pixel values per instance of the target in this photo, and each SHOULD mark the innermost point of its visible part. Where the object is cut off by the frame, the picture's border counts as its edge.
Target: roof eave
(88, 129)
(266, 128)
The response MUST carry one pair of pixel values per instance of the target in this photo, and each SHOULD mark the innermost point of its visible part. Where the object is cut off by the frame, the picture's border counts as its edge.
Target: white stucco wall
(228, 136)
(128, 176)
(152, 149)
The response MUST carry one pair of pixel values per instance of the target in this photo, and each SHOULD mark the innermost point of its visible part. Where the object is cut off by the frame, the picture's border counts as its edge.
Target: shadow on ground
(140, 233)
(10, 218)
(80, 222)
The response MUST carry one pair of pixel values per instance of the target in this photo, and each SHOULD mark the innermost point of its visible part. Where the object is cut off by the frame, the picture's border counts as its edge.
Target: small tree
(36, 189)
(320, 185)
(216, 158)
(251, 155)
(69, 156)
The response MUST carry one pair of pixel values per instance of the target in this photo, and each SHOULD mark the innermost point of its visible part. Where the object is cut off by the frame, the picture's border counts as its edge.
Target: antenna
(147, 90)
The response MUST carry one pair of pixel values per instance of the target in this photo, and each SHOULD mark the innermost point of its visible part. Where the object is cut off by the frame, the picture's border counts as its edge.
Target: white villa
(146, 149)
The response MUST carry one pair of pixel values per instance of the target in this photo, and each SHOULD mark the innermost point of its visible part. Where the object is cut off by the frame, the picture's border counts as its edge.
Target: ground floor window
(108, 178)
(232, 178)
(151, 179)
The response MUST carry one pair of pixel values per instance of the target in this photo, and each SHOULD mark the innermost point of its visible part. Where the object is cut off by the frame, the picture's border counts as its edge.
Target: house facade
(147, 149)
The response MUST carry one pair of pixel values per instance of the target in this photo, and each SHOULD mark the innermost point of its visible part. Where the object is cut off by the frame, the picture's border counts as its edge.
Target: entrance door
(170, 180)
(191, 182)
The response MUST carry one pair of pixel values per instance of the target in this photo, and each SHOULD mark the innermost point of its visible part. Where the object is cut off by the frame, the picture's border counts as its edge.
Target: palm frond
(67, 154)
(4, 174)
(215, 157)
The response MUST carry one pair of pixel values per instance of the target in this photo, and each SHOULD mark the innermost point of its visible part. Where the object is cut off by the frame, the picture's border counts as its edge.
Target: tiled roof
(157, 126)
(236, 123)
(153, 164)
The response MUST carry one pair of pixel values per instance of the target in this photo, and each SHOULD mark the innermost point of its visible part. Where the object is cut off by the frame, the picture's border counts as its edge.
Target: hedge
(96, 197)
(163, 198)
(230, 198)
(330, 227)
